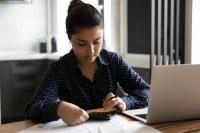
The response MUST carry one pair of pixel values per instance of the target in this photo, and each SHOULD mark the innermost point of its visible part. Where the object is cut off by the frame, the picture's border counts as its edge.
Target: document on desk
(116, 125)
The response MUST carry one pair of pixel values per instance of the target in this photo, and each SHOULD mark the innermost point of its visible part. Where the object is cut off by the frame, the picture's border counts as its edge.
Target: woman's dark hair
(81, 15)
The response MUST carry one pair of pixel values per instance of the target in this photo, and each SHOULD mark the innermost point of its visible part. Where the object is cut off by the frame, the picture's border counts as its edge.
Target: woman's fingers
(112, 103)
(71, 114)
(83, 116)
(108, 97)
(122, 106)
(81, 120)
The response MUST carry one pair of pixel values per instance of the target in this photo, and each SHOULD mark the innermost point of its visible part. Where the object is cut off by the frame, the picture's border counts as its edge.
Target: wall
(192, 32)
(115, 26)
(137, 60)
(22, 26)
(188, 30)
(27, 25)
(195, 32)
(112, 25)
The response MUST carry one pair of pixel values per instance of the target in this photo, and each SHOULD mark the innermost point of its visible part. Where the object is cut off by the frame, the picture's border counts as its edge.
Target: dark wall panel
(139, 26)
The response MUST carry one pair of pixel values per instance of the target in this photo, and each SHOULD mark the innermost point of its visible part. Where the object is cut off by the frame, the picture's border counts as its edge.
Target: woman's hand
(111, 102)
(71, 114)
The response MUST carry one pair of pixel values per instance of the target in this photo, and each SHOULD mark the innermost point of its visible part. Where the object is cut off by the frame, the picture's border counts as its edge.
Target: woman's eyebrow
(97, 38)
(87, 41)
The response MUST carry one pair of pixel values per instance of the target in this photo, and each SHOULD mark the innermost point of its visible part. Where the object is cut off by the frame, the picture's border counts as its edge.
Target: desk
(187, 126)
(192, 126)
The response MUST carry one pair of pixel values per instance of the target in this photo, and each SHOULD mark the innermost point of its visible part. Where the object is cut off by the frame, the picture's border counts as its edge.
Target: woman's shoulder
(109, 56)
(57, 65)
(68, 58)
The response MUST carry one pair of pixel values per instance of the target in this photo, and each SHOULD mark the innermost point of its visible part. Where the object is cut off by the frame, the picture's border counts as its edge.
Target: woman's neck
(88, 70)
(87, 65)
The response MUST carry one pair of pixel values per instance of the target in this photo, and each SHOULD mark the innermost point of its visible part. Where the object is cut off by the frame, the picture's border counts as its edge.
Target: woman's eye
(81, 44)
(96, 43)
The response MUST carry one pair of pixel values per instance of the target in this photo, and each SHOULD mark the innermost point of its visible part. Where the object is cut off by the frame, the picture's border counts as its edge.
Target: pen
(112, 97)
(116, 107)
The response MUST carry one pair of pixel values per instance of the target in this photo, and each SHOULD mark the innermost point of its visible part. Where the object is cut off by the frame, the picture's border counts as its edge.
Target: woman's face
(87, 44)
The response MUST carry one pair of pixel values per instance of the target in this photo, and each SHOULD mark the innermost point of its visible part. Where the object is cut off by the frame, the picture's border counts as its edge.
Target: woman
(86, 77)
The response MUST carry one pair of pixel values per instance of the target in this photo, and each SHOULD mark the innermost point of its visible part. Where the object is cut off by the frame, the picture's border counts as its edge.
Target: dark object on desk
(99, 116)
(43, 47)
(53, 44)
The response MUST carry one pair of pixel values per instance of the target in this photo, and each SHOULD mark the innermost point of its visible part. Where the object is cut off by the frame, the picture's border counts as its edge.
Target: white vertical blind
(167, 49)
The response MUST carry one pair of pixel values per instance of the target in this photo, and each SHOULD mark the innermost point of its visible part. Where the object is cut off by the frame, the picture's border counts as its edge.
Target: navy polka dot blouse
(64, 82)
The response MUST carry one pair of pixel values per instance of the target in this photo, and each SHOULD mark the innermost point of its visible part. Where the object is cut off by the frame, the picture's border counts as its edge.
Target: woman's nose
(91, 49)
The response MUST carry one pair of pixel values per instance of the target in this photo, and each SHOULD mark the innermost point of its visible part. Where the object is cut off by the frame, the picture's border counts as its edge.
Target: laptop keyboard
(142, 116)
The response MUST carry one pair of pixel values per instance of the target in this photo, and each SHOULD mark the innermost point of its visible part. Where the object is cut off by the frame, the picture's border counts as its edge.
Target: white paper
(116, 125)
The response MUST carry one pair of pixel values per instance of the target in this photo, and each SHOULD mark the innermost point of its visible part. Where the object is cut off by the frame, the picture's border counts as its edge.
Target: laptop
(174, 95)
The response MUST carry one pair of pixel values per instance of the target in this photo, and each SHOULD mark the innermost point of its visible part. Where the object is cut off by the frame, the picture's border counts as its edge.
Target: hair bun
(73, 4)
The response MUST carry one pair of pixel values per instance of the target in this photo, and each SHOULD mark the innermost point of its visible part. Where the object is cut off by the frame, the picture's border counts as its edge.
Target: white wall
(22, 26)
(59, 9)
(195, 32)
(114, 43)
(192, 32)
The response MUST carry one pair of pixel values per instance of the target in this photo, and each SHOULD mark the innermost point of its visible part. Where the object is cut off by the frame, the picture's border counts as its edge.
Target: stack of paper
(116, 125)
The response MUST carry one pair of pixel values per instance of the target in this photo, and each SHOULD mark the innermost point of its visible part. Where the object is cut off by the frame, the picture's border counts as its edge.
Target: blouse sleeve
(43, 106)
(133, 84)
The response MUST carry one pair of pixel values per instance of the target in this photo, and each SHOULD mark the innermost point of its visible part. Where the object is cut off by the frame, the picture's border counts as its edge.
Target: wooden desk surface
(188, 126)
(192, 126)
